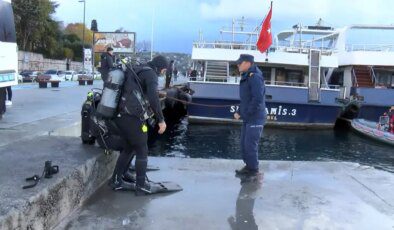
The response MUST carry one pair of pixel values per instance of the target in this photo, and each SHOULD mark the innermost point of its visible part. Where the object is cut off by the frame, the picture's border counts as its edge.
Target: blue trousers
(250, 136)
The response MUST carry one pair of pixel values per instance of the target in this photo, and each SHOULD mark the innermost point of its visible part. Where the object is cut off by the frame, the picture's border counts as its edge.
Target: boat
(371, 129)
(312, 75)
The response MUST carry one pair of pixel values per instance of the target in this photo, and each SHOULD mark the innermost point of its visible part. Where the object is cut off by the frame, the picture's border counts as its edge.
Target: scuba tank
(132, 101)
(108, 105)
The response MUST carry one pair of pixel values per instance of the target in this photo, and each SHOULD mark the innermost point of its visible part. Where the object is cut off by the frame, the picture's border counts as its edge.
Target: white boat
(312, 73)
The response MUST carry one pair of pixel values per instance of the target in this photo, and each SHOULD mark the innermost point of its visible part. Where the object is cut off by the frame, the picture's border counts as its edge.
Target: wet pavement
(289, 195)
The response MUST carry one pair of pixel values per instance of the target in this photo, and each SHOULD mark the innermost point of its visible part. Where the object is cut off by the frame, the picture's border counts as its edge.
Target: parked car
(70, 75)
(20, 78)
(56, 75)
(29, 76)
(97, 75)
(84, 75)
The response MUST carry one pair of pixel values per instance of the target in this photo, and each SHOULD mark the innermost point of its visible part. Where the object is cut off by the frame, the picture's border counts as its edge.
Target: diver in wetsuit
(133, 128)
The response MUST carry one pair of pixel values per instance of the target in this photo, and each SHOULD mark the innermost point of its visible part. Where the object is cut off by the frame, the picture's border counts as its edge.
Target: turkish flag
(265, 39)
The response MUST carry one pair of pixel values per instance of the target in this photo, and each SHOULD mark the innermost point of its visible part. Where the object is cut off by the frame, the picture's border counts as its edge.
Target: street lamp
(83, 34)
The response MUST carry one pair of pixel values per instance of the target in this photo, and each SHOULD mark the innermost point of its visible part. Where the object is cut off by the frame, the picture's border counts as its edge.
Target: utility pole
(151, 38)
(83, 34)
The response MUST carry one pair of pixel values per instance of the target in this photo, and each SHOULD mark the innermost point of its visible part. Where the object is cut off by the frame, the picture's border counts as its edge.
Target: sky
(176, 23)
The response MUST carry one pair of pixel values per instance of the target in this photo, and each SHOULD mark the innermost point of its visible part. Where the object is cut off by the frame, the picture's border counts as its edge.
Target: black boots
(118, 183)
(245, 171)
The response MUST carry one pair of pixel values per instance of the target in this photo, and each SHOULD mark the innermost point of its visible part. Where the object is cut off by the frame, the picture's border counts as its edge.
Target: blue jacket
(252, 94)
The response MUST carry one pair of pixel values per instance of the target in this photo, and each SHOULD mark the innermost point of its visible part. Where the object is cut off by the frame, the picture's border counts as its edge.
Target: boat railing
(373, 75)
(251, 46)
(334, 87)
(304, 50)
(225, 45)
(235, 80)
(355, 83)
(284, 83)
(370, 47)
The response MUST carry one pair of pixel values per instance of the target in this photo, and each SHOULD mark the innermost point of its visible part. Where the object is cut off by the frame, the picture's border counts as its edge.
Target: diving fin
(150, 168)
(158, 187)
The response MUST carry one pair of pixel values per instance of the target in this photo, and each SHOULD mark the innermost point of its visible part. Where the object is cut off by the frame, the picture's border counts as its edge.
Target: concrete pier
(43, 124)
(290, 195)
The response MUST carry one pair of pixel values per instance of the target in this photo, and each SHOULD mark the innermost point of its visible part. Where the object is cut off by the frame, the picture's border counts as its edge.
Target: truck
(8, 51)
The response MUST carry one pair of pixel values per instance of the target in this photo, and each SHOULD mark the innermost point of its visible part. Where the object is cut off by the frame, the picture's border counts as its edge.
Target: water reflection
(244, 215)
(222, 141)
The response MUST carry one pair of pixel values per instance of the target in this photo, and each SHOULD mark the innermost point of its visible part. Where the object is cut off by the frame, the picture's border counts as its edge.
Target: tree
(35, 27)
(77, 29)
(68, 53)
(37, 31)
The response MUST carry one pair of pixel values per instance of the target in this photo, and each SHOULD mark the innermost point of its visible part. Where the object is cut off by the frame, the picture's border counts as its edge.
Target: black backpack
(132, 100)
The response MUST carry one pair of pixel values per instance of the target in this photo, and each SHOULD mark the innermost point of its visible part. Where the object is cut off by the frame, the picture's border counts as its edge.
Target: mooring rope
(200, 104)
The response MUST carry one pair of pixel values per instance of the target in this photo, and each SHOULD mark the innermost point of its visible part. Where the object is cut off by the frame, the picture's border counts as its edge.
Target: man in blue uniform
(252, 112)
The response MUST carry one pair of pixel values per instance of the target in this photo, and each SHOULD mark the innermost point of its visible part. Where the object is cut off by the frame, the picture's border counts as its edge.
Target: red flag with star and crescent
(265, 39)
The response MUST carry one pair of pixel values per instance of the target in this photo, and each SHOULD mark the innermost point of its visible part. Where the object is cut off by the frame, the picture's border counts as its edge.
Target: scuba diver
(132, 123)
(107, 63)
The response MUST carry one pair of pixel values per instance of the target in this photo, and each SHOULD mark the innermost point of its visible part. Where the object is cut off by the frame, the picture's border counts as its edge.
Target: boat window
(295, 77)
(233, 68)
(336, 78)
(384, 79)
(7, 26)
(289, 77)
(266, 74)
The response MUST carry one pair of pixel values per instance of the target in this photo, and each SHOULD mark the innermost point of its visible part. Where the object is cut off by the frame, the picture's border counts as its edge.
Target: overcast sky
(177, 22)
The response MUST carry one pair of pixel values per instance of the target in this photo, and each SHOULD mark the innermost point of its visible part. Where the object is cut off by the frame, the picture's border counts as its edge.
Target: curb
(54, 203)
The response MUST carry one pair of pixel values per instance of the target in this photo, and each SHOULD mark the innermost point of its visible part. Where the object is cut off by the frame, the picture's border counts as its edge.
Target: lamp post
(83, 34)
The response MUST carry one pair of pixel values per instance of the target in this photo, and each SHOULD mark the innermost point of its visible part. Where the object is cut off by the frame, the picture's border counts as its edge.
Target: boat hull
(278, 113)
(286, 106)
(369, 129)
(372, 112)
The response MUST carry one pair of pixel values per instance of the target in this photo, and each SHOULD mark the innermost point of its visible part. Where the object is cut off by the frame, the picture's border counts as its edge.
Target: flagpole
(266, 52)
(266, 14)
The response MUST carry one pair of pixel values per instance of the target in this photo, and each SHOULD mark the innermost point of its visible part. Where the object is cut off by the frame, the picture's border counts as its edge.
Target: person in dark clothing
(252, 112)
(169, 73)
(175, 74)
(107, 63)
(2, 101)
(134, 130)
(391, 119)
(9, 96)
(193, 75)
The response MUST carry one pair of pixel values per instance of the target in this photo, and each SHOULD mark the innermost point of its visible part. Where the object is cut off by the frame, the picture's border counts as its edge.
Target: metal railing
(285, 83)
(354, 77)
(373, 75)
(239, 46)
(234, 79)
(333, 87)
(370, 47)
(225, 45)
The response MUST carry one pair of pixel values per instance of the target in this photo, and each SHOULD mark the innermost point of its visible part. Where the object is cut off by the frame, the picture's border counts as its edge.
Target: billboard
(88, 59)
(121, 42)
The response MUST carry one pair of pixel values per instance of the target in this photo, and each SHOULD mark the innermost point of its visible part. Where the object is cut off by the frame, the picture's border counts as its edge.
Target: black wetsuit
(132, 131)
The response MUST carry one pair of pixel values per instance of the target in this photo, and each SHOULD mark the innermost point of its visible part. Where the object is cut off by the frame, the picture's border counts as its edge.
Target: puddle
(69, 131)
